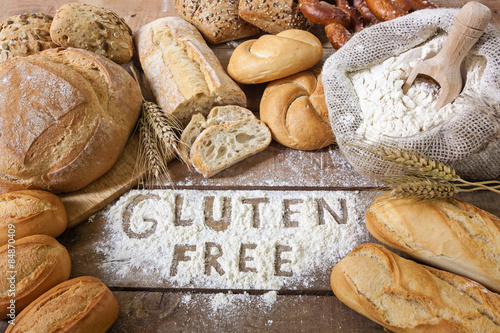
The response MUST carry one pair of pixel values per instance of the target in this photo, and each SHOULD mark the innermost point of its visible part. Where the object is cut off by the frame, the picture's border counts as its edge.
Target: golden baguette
(446, 233)
(82, 304)
(404, 296)
(34, 264)
(30, 212)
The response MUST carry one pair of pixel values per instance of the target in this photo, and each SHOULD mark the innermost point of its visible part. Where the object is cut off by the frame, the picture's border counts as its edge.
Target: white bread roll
(295, 111)
(404, 296)
(83, 304)
(184, 74)
(272, 57)
(41, 262)
(446, 233)
(65, 116)
(31, 212)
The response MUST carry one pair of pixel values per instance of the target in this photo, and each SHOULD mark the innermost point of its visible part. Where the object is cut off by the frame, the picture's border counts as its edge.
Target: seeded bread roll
(404, 296)
(217, 116)
(217, 20)
(31, 212)
(273, 16)
(294, 108)
(40, 264)
(65, 116)
(272, 57)
(446, 233)
(221, 146)
(184, 74)
(95, 29)
(25, 34)
(82, 304)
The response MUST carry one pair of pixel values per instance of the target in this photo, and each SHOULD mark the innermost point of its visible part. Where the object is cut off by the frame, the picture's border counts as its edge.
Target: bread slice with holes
(221, 146)
(217, 116)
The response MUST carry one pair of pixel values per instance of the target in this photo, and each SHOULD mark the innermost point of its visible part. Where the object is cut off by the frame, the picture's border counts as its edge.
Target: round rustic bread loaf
(295, 111)
(93, 28)
(25, 34)
(65, 116)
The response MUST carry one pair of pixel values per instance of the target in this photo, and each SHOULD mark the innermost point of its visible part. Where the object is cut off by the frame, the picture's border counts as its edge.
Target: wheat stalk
(158, 142)
(414, 174)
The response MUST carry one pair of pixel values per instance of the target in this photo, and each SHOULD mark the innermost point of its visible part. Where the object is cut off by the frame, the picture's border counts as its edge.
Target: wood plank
(178, 311)
(195, 312)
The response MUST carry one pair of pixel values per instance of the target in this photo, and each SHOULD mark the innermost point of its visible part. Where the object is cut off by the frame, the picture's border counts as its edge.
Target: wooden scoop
(444, 68)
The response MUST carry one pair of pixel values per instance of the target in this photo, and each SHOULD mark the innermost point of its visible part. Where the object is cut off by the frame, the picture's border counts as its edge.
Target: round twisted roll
(273, 57)
(294, 109)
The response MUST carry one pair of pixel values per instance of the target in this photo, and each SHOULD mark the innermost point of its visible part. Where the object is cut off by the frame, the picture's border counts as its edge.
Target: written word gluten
(218, 214)
(229, 239)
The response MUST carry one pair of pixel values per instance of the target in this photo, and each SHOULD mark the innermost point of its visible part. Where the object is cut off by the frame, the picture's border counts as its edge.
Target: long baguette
(449, 234)
(404, 296)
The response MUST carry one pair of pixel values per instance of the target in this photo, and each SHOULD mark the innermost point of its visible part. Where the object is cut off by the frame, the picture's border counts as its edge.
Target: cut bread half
(217, 116)
(189, 135)
(228, 113)
(220, 146)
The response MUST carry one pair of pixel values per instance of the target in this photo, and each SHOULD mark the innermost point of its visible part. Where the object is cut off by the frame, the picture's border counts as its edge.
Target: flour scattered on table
(260, 240)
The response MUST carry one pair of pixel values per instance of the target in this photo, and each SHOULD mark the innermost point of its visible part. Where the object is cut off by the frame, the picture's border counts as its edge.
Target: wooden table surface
(152, 304)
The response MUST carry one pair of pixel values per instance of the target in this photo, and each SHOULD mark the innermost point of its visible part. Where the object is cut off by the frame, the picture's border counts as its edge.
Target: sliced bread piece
(220, 146)
(217, 116)
(228, 113)
(189, 135)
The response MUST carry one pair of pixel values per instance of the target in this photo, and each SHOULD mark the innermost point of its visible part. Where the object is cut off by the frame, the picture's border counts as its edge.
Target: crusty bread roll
(272, 57)
(221, 146)
(218, 21)
(273, 16)
(217, 116)
(31, 212)
(25, 34)
(295, 111)
(404, 296)
(82, 304)
(65, 116)
(184, 74)
(40, 263)
(446, 233)
(93, 28)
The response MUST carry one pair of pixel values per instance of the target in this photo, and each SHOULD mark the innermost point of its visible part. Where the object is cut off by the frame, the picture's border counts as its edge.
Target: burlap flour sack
(468, 141)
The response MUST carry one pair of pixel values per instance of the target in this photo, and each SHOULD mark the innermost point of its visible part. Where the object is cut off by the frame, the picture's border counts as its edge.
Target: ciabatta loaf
(82, 304)
(184, 74)
(446, 233)
(217, 116)
(404, 296)
(41, 262)
(220, 146)
(65, 117)
(31, 212)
